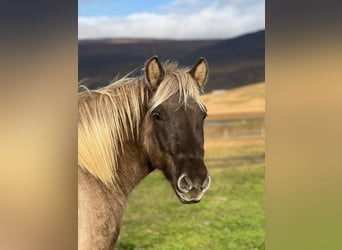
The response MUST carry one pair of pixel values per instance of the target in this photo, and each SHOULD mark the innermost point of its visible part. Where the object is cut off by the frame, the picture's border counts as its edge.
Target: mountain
(233, 62)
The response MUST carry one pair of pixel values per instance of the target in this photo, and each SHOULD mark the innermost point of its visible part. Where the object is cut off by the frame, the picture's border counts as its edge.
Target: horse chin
(188, 202)
(184, 200)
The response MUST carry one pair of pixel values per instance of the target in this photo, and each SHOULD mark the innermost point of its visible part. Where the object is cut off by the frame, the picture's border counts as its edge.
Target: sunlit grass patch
(229, 149)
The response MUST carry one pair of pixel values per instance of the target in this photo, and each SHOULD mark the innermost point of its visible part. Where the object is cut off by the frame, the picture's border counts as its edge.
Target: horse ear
(200, 72)
(154, 72)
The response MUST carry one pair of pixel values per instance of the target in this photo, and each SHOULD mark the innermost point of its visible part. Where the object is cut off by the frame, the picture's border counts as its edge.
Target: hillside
(243, 102)
(233, 62)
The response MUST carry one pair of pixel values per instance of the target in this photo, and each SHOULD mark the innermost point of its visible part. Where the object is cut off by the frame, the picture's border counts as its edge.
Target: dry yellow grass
(247, 101)
(240, 103)
(230, 147)
(236, 142)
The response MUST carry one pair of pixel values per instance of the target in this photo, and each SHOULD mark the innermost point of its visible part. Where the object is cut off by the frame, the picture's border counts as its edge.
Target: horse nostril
(184, 183)
(206, 183)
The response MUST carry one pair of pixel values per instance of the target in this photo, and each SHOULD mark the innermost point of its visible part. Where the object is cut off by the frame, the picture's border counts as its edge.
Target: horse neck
(101, 208)
(133, 167)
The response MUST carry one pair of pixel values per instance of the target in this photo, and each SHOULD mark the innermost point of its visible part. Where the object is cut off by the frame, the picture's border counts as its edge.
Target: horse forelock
(176, 81)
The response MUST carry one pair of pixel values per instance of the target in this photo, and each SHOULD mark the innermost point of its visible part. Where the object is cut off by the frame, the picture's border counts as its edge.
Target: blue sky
(118, 7)
(172, 19)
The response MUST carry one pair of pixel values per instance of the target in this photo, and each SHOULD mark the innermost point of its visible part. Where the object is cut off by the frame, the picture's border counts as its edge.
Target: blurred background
(116, 37)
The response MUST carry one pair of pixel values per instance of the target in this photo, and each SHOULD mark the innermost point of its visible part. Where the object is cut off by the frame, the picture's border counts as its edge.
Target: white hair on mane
(110, 116)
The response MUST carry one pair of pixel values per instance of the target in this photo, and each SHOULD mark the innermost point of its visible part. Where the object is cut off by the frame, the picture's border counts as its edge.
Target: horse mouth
(187, 200)
(189, 194)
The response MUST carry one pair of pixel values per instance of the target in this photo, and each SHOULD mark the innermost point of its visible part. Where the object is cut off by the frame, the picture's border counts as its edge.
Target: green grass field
(230, 215)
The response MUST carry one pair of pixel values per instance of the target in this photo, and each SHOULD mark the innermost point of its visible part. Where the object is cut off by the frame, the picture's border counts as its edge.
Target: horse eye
(157, 116)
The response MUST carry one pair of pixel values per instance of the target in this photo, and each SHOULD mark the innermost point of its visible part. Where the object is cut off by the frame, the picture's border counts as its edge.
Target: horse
(128, 129)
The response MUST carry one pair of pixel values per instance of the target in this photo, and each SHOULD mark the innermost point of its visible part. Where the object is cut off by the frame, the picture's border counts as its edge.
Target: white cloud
(181, 20)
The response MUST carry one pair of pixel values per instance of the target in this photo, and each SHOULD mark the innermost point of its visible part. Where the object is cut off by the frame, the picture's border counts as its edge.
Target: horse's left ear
(200, 72)
(154, 72)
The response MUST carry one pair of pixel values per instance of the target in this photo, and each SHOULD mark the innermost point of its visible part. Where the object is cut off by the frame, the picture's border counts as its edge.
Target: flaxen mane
(110, 116)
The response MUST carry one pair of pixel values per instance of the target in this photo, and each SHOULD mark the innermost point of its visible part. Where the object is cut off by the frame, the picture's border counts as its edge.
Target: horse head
(173, 127)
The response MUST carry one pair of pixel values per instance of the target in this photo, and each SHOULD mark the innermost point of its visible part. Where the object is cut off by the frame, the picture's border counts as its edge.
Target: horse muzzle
(189, 191)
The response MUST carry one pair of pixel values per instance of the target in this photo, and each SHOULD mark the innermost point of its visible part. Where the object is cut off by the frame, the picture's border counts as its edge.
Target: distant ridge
(233, 62)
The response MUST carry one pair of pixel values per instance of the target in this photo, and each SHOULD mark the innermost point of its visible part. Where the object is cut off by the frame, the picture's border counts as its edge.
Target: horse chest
(99, 217)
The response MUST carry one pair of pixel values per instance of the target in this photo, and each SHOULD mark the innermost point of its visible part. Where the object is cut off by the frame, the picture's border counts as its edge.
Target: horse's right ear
(200, 72)
(154, 72)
